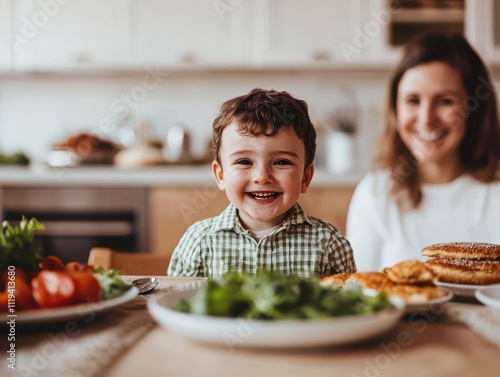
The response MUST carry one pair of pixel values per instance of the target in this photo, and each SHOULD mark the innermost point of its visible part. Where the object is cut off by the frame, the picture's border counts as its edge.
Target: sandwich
(475, 263)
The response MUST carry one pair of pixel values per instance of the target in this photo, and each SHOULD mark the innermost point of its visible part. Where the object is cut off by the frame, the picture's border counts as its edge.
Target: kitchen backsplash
(38, 111)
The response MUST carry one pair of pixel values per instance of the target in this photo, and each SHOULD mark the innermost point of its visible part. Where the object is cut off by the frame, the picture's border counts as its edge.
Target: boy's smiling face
(263, 176)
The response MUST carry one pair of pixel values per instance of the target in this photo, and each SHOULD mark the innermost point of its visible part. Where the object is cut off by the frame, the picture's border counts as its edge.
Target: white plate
(431, 306)
(242, 332)
(74, 311)
(465, 290)
(489, 296)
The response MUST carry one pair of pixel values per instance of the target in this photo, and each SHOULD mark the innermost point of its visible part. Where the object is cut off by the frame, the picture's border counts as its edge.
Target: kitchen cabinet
(329, 204)
(495, 30)
(5, 45)
(191, 32)
(70, 35)
(295, 32)
(64, 35)
(376, 33)
(173, 210)
(483, 28)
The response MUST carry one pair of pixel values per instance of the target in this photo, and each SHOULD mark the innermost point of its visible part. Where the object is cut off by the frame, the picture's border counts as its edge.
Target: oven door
(77, 220)
(70, 237)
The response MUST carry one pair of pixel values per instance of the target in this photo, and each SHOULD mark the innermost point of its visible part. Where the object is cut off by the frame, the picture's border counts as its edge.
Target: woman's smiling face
(263, 176)
(431, 113)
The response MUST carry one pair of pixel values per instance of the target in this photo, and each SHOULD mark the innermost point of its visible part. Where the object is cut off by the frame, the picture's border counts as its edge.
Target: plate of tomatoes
(57, 292)
(83, 311)
(34, 289)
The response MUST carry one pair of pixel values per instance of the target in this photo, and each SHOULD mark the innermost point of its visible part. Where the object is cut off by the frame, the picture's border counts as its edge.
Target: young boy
(264, 145)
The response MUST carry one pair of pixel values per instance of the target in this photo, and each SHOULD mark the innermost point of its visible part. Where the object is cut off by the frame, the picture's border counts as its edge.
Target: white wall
(36, 112)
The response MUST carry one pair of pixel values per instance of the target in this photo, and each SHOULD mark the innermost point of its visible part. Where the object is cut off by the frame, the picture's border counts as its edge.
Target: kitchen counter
(162, 176)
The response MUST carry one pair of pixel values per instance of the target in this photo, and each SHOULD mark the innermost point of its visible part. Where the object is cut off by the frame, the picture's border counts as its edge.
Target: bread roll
(410, 272)
(463, 250)
(465, 271)
(476, 263)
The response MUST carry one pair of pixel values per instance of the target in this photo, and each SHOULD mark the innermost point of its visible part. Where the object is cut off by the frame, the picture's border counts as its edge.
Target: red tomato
(52, 263)
(16, 283)
(24, 295)
(3, 279)
(73, 266)
(19, 273)
(87, 287)
(52, 289)
(3, 301)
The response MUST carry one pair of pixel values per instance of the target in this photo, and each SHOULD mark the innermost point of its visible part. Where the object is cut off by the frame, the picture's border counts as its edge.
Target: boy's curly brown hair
(264, 112)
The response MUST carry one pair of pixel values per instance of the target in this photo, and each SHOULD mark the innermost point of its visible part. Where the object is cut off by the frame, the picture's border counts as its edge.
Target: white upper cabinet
(5, 45)
(70, 34)
(292, 32)
(494, 18)
(107, 35)
(483, 28)
(190, 32)
(245, 33)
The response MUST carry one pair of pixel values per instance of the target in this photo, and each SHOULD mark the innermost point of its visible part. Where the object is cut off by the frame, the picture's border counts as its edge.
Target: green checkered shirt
(303, 245)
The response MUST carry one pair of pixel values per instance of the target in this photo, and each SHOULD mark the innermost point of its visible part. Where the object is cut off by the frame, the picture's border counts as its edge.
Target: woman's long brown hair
(480, 147)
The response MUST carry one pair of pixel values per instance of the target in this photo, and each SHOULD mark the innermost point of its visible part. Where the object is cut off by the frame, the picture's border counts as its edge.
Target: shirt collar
(229, 220)
(296, 217)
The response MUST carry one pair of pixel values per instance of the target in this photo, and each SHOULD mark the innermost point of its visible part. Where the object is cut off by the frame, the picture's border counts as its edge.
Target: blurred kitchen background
(120, 95)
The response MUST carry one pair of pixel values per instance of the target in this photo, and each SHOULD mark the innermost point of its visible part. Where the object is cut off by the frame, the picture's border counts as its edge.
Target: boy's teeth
(263, 195)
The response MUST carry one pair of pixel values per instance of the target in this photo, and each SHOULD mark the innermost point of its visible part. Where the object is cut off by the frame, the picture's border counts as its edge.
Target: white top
(382, 234)
(258, 235)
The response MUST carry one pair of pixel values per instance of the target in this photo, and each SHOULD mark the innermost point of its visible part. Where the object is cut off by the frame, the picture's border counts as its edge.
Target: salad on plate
(275, 311)
(29, 281)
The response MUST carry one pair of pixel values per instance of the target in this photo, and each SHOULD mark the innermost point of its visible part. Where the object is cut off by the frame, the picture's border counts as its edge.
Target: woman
(436, 176)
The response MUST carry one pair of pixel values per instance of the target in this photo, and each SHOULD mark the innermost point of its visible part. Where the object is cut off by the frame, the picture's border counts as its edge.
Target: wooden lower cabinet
(329, 204)
(173, 210)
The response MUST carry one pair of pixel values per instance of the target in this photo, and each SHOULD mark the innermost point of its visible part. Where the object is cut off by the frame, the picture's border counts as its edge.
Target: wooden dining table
(126, 342)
